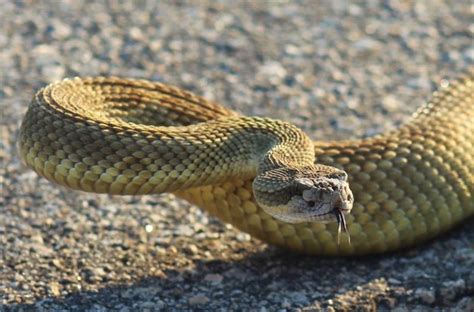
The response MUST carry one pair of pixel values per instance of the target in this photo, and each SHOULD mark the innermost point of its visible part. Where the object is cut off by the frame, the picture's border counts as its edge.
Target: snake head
(318, 193)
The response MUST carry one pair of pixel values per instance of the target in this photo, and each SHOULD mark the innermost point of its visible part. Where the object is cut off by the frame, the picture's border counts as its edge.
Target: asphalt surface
(335, 69)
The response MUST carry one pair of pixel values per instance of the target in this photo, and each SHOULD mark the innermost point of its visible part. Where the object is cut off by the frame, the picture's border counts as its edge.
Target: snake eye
(311, 203)
(303, 184)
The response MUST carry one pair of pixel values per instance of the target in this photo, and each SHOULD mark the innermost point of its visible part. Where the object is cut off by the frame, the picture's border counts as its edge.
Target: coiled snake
(264, 176)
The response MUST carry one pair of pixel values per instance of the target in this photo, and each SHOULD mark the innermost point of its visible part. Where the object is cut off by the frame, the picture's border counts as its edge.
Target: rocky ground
(335, 69)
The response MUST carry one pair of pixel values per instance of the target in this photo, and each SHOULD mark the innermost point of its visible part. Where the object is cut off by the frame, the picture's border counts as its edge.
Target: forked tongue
(341, 224)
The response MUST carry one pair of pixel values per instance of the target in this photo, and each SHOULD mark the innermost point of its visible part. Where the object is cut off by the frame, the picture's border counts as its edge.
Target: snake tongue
(341, 224)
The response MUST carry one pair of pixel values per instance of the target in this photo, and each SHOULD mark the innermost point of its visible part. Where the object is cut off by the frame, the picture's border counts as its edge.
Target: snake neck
(278, 144)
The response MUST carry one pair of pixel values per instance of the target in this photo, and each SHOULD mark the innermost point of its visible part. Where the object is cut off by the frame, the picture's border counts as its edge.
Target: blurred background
(337, 69)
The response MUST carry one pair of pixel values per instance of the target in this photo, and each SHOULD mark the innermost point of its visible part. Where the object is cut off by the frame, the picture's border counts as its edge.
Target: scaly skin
(409, 185)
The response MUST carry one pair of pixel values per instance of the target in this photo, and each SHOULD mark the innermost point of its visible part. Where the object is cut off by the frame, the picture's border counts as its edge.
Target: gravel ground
(335, 69)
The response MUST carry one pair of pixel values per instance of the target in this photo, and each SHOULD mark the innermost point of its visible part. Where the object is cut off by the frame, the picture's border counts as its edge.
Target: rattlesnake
(264, 176)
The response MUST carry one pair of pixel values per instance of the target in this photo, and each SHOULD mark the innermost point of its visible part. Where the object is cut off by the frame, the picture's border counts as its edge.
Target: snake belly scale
(264, 176)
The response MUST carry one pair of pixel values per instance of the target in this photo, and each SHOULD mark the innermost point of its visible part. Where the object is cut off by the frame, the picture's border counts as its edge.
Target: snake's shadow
(269, 274)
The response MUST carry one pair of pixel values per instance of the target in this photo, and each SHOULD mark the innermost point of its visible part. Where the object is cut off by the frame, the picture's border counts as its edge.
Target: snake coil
(126, 136)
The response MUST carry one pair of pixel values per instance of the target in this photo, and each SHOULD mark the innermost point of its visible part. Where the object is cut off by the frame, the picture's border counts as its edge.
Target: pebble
(366, 45)
(271, 73)
(469, 54)
(214, 278)
(243, 237)
(299, 298)
(465, 304)
(150, 306)
(191, 249)
(426, 295)
(54, 288)
(95, 274)
(394, 281)
(40, 249)
(53, 72)
(198, 300)
(451, 289)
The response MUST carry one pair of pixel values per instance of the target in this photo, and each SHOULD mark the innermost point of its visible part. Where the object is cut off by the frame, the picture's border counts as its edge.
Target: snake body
(126, 136)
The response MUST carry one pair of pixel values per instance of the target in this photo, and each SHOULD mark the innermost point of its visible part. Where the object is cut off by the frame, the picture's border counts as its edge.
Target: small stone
(236, 292)
(48, 60)
(198, 299)
(366, 45)
(330, 309)
(292, 50)
(465, 304)
(37, 239)
(426, 295)
(191, 249)
(184, 230)
(173, 250)
(391, 103)
(285, 304)
(400, 308)
(214, 278)
(127, 294)
(147, 292)
(243, 237)
(54, 288)
(299, 298)
(271, 73)
(98, 308)
(451, 289)
(148, 305)
(393, 281)
(60, 30)
(95, 274)
(53, 73)
(42, 249)
(57, 263)
(419, 83)
(469, 54)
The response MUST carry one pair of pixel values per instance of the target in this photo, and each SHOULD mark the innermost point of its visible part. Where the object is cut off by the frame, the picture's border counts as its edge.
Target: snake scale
(266, 177)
